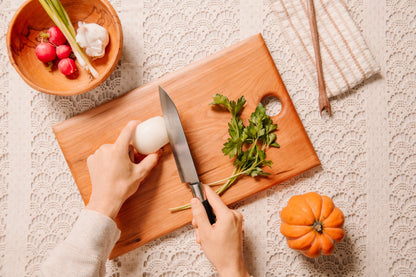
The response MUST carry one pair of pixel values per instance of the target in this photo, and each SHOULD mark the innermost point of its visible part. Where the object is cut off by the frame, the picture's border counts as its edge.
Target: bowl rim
(96, 82)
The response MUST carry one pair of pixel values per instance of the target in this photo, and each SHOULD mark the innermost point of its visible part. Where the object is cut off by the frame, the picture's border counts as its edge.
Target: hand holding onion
(113, 176)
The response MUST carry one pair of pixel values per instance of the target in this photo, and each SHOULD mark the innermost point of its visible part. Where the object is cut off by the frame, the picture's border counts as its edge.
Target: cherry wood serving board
(245, 68)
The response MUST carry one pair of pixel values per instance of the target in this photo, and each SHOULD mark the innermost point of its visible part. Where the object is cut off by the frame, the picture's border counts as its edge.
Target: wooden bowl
(24, 35)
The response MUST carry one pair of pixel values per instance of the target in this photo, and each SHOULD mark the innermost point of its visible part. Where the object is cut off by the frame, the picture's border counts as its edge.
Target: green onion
(57, 13)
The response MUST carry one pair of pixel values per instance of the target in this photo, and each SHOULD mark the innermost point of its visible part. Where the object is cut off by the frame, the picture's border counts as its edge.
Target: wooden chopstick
(323, 97)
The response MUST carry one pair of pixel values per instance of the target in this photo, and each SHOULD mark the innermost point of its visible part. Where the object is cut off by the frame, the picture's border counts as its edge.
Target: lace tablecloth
(367, 149)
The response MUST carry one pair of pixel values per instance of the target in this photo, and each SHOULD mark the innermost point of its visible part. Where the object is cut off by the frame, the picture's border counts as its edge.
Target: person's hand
(222, 242)
(113, 176)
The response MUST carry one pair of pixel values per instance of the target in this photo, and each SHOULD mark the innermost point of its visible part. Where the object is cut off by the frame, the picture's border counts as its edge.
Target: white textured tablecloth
(367, 149)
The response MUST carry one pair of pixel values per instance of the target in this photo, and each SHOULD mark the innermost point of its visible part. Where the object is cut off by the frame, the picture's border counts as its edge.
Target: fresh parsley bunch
(247, 144)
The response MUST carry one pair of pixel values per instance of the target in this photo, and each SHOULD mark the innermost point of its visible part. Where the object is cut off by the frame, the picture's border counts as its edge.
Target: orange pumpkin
(312, 224)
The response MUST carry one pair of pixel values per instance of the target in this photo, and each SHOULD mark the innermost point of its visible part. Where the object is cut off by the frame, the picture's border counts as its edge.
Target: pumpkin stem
(318, 227)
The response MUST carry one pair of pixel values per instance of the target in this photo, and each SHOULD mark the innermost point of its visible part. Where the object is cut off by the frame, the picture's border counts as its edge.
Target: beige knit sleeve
(85, 251)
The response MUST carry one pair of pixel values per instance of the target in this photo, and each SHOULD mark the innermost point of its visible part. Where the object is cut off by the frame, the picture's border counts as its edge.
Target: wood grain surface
(245, 68)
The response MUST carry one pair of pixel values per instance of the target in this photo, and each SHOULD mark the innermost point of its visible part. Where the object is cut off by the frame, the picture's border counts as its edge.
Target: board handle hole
(272, 104)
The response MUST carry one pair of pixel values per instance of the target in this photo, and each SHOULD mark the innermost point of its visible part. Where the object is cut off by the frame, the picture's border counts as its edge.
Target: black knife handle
(199, 193)
(210, 213)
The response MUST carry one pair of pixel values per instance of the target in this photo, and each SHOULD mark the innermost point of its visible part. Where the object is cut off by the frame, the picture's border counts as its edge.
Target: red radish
(67, 66)
(56, 36)
(63, 51)
(45, 52)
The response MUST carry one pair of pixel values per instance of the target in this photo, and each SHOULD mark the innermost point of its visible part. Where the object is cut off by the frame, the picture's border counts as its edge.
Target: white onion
(93, 38)
(150, 135)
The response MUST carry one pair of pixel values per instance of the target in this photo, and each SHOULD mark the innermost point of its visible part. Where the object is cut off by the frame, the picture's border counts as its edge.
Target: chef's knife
(181, 152)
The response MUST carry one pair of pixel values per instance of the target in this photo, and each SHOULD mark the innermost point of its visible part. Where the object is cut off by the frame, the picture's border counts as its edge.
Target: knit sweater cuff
(96, 232)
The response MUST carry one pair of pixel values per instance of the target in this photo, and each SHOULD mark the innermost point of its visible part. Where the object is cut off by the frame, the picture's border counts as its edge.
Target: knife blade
(181, 152)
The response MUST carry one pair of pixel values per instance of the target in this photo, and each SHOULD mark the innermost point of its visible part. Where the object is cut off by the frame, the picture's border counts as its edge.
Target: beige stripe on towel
(346, 59)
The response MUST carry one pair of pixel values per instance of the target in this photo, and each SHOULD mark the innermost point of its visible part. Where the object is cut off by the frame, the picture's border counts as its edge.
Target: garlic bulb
(93, 38)
(150, 135)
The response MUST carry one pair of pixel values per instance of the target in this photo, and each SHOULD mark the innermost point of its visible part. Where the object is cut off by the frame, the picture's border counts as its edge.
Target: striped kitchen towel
(346, 59)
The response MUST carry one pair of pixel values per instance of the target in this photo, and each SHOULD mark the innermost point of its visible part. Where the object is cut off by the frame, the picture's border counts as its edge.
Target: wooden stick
(323, 97)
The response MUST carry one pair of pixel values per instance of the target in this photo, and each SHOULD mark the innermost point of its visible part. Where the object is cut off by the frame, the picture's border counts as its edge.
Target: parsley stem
(230, 180)
(226, 185)
(180, 208)
(235, 174)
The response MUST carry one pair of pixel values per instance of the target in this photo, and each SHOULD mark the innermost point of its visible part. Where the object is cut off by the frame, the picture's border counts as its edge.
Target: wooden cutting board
(245, 68)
